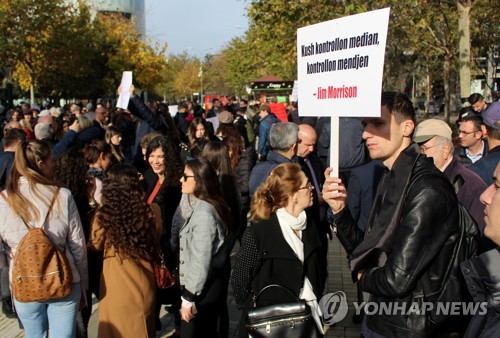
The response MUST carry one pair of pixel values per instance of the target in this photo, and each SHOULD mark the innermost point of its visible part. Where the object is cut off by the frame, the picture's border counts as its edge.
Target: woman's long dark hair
(126, 217)
(93, 150)
(216, 153)
(71, 172)
(208, 189)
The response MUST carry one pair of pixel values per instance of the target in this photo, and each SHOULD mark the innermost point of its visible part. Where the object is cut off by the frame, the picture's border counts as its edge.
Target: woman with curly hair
(161, 183)
(279, 248)
(71, 171)
(126, 230)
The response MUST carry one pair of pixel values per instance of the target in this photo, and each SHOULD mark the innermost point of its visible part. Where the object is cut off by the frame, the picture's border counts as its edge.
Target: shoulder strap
(48, 212)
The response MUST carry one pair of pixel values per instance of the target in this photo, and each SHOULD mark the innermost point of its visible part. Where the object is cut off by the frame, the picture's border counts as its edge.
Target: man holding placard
(403, 257)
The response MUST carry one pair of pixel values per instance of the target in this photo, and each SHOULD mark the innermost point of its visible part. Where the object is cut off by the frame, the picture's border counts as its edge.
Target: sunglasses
(185, 177)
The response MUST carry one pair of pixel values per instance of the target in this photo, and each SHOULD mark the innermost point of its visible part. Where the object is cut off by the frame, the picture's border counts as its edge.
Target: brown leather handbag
(164, 279)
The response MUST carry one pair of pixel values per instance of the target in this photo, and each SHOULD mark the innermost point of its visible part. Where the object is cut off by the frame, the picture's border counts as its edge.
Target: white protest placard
(124, 90)
(340, 68)
(340, 65)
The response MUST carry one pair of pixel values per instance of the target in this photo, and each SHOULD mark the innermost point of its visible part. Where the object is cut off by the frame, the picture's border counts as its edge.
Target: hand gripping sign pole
(340, 67)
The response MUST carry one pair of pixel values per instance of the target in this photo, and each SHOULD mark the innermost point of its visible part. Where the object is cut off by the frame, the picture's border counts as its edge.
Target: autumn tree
(171, 88)
(187, 80)
(62, 49)
(27, 30)
(123, 50)
(485, 41)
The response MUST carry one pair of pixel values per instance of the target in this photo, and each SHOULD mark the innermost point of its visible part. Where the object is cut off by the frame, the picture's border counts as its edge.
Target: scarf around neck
(296, 223)
(289, 224)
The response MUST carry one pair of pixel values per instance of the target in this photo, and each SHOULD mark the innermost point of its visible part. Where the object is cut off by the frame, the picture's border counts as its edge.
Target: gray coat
(200, 238)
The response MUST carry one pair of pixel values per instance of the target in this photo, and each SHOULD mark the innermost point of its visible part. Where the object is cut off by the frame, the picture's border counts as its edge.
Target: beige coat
(127, 293)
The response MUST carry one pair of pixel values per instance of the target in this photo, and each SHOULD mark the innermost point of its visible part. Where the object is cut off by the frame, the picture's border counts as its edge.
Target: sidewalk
(339, 279)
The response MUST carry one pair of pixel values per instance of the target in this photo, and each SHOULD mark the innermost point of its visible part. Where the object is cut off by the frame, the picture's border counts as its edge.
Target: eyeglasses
(423, 149)
(461, 132)
(185, 177)
(308, 186)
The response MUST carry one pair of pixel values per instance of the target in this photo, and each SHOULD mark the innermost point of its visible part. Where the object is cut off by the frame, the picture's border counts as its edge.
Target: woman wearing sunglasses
(200, 256)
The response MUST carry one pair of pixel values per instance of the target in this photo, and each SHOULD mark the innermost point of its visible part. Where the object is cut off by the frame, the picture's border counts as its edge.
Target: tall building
(131, 9)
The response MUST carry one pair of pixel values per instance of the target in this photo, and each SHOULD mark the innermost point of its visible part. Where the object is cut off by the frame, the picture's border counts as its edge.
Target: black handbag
(290, 320)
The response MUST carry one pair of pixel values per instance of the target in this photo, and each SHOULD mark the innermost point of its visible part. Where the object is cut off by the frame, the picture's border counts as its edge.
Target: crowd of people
(131, 188)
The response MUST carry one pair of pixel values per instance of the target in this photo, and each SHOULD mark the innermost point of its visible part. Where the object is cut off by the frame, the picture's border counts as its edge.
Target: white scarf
(289, 224)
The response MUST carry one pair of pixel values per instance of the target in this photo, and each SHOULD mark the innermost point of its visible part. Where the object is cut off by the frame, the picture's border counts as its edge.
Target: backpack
(41, 271)
(454, 288)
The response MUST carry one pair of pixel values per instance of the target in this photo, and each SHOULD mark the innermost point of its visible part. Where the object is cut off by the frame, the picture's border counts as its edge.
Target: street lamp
(200, 75)
(200, 72)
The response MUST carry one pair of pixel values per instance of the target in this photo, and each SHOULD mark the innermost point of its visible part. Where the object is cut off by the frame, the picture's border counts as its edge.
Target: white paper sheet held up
(124, 93)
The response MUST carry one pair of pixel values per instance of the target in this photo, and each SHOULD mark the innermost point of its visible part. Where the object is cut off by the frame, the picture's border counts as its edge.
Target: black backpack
(454, 288)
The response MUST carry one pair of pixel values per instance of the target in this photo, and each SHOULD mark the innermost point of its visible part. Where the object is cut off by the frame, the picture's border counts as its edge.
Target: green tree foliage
(65, 51)
(123, 50)
(422, 39)
(485, 35)
(27, 30)
(169, 87)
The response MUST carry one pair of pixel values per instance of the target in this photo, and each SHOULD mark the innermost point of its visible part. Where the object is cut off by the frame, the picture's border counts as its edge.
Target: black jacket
(242, 174)
(462, 156)
(482, 275)
(266, 258)
(167, 198)
(410, 263)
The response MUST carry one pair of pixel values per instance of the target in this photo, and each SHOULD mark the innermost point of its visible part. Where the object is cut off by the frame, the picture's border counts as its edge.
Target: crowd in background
(140, 184)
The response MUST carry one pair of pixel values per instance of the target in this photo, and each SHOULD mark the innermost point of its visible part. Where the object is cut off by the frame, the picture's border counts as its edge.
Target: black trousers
(209, 306)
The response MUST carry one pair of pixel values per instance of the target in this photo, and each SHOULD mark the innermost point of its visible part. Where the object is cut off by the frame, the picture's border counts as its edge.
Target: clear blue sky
(199, 27)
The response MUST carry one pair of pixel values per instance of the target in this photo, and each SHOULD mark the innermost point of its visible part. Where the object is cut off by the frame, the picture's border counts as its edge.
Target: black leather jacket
(417, 253)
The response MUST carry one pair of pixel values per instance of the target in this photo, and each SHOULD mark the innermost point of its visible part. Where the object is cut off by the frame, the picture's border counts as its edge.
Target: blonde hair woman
(29, 194)
(279, 248)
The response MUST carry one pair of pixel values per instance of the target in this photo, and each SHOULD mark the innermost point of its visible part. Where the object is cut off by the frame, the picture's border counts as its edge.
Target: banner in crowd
(340, 65)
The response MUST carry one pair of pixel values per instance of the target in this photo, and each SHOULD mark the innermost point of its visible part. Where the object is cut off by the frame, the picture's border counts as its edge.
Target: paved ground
(339, 279)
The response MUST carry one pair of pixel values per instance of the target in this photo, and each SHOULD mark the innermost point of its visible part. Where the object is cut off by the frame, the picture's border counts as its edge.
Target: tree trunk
(489, 74)
(464, 47)
(446, 80)
(428, 93)
(32, 89)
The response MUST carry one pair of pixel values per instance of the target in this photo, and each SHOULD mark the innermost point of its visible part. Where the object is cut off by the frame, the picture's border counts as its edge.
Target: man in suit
(313, 168)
